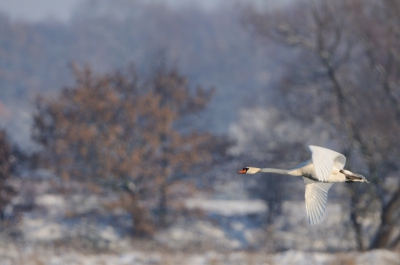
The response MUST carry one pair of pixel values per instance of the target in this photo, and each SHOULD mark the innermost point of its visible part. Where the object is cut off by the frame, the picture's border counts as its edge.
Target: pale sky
(34, 10)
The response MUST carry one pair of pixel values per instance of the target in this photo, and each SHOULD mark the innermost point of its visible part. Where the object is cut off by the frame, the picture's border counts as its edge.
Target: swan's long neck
(274, 170)
(293, 172)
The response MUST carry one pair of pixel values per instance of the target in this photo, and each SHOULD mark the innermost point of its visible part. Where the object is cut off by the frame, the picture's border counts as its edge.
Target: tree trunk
(142, 225)
(162, 206)
(353, 218)
(385, 230)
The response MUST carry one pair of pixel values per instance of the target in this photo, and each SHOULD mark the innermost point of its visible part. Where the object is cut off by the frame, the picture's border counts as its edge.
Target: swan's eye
(245, 169)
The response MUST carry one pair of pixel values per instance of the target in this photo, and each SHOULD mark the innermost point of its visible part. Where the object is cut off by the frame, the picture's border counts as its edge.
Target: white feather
(324, 160)
(316, 195)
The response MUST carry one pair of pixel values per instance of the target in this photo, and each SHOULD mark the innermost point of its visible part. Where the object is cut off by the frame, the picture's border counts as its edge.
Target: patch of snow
(54, 204)
(292, 231)
(379, 256)
(186, 235)
(228, 207)
(82, 204)
(41, 229)
(238, 226)
(302, 258)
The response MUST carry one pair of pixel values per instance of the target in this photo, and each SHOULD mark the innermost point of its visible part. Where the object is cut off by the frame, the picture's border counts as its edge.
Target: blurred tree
(7, 192)
(207, 45)
(265, 137)
(122, 132)
(346, 71)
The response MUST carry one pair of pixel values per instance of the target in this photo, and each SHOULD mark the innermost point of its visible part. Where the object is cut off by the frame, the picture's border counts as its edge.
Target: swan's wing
(324, 159)
(316, 196)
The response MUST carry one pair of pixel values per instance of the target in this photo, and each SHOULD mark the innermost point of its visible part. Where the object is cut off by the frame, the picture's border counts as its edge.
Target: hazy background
(285, 75)
(212, 48)
(39, 10)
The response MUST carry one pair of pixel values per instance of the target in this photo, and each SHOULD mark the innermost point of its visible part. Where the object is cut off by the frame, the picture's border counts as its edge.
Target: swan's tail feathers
(316, 195)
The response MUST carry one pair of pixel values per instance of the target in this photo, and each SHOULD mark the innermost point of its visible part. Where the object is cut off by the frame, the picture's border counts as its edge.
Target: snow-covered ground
(51, 256)
(63, 230)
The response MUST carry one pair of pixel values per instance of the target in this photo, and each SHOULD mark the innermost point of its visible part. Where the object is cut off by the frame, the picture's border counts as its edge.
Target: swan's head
(352, 177)
(360, 178)
(249, 170)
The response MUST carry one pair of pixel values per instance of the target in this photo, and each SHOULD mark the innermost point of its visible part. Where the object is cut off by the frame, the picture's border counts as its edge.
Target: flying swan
(319, 173)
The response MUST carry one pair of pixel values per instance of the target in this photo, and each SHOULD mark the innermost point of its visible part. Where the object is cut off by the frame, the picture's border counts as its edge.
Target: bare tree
(7, 192)
(346, 72)
(127, 134)
(381, 43)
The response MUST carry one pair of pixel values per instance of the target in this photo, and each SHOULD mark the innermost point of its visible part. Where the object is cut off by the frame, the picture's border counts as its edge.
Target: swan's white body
(319, 173)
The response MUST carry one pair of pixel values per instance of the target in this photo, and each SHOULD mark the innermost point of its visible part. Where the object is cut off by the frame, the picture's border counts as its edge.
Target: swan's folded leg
(316, 195)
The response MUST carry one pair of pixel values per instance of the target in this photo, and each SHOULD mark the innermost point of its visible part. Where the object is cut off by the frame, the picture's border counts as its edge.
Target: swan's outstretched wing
(324, 160)
(316, 196)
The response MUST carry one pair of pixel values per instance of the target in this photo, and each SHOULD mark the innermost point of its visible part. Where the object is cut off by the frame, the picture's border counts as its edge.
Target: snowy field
(228, 232)
(36, 256)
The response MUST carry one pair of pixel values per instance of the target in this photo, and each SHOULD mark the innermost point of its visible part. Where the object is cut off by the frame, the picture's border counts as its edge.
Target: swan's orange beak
(243, 171)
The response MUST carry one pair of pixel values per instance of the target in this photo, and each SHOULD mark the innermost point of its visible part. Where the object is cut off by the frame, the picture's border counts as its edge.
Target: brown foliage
(119, 131)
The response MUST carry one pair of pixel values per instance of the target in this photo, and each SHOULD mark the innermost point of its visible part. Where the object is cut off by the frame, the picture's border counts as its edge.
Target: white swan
(319, 173)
